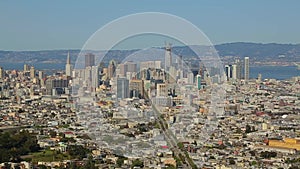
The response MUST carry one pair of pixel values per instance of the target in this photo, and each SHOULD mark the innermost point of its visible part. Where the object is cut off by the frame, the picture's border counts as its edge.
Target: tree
(52, 133)
(13, 145)
(231, 161)
(252, 153)
(77, 151)
(248, 129)
(42, 166)
(180, 145)
(212, 157)
(266, 154)
(90, 164)
(20, 110)
(137, 163)
(70, 140)
(72, 165)
(253, 163)
(120, 160)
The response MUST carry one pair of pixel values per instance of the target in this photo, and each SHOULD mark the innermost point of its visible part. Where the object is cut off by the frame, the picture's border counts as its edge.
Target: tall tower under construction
(168, 57)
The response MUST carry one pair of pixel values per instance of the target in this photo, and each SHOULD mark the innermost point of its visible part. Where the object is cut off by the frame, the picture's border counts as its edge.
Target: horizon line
(124, 49)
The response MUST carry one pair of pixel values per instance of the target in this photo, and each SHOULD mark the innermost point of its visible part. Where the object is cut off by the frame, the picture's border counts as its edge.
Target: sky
(47, 25)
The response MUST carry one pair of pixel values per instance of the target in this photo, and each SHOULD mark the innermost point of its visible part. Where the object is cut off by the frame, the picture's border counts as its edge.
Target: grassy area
(49, 156)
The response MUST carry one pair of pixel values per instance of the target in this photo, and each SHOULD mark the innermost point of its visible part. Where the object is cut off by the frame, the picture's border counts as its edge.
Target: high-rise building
(88, 75)
(145, 74)
(190, 77)
(68, 66)
(131, 75)
(246, 71)
(198, 80)
(180, 74)
(180, 62)
(172, 74)
(1, 73)
(131, 66)
(259, 78)
(26, 68)
(168, 57)
(136, 88)
(122, 88)
(123, 69)
(238, 69)
(128, 70)
(111, 69)
(161, 89)
(150, 64)
(157, 64)
(41, 78)
(56, 86)
(95, 77)
(234, 72)
(201, 69)
(41, 75)
(32, 72)
(89, 60)
(228, 71)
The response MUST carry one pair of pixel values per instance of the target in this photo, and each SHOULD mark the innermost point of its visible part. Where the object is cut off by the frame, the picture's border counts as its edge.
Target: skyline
(149, 84)
(34, 25)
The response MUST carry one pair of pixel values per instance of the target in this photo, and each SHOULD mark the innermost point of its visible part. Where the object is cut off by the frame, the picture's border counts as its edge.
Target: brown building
(89, 60)
(136, 88)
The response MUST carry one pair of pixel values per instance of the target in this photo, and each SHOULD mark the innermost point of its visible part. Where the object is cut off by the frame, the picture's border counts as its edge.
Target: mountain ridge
(256, 50)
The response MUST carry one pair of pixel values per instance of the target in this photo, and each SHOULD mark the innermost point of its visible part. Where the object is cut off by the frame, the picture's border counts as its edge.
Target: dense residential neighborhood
(138, 115)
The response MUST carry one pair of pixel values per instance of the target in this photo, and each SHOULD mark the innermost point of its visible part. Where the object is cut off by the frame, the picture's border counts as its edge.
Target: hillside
(291, 52)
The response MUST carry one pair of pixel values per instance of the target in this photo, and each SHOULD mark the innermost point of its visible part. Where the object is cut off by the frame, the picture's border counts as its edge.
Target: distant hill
(256, 50)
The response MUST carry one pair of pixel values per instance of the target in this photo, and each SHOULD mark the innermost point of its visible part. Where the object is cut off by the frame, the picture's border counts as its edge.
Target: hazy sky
(37, 25)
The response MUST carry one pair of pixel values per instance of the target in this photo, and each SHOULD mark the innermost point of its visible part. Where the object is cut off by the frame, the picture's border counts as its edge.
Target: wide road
(171, 139)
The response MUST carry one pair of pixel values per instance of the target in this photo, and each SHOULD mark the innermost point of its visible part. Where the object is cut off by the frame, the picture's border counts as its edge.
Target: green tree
(248, 129)
(90, 164)
(180, 145)
(77, 151)
(231, 161)
(137, 163)
(253, 163)
(120, 161)
(52, 133)
(266, 154)
(42, 166)
(15, 144)
(252, 153)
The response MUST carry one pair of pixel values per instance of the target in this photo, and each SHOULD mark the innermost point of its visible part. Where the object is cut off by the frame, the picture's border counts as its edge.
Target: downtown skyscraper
(168, 57)
(246, 69)
(122, 88)
(89, 60)
(68, 66)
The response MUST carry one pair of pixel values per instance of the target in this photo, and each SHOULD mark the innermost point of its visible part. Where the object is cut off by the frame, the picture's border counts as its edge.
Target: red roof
(164, 147)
